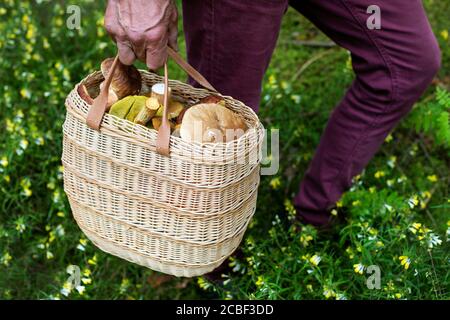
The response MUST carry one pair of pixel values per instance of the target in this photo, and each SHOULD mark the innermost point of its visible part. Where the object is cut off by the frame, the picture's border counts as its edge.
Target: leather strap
(163, 139)
(189, 69)
(98, 108)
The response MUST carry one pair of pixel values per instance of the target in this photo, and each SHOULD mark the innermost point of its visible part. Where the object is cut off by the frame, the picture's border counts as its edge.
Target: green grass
(405, 184)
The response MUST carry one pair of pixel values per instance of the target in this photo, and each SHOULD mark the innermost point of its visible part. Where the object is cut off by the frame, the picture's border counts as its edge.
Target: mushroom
(146, 113)
(84, 94)
(126, 81)
(211, 122)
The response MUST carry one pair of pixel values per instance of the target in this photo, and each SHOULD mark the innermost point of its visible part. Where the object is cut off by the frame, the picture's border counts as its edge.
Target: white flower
(60, 230)
(80, 289)
(66, 289)
(433, 240)
(341, 296)
(413, 201)
(23, 144)
(39, 141)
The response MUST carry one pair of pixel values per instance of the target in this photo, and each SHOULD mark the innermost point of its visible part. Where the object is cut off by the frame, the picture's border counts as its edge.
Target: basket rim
(140, 132)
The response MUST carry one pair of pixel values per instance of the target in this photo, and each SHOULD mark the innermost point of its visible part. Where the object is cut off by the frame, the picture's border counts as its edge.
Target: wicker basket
(181, 214)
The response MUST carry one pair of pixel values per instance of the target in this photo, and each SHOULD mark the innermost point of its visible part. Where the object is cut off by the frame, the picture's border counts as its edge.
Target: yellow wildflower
(359, 268)
(5, 259)
(415, 227)
(444, 34)
(4, 162)
(328, 292)
(356, 203)
(350, 252)
(275, 183)
(305, 239)
(86, 272)
(432, 178)
(405, 261)
(93, 260)
(389, 138)
(25, 93)
(272, 79)
(379, 174)
(413, 201)
(315, 260)
(49, 255)
(379, 244)
(260, 281)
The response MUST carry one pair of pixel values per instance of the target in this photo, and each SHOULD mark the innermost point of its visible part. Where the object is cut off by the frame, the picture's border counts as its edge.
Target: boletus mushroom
(211, 122)
(127, 80)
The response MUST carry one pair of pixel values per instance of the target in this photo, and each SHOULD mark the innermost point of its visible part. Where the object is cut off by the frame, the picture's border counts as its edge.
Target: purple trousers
(231, 42)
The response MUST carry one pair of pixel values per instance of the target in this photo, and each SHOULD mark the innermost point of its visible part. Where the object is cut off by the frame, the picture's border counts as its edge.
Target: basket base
(156, 265)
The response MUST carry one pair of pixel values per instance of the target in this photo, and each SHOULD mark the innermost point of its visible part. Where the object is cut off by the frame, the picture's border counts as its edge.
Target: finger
(173, 31)
(137, 42)
(157, 57)
(111, 23)
(126, 54)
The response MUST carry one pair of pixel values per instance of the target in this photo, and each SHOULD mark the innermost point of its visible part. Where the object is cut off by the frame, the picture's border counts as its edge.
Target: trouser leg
(230, 42)
(393, 67)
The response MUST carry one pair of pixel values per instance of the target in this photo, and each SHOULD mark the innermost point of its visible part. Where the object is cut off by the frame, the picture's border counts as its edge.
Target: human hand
(142, 29)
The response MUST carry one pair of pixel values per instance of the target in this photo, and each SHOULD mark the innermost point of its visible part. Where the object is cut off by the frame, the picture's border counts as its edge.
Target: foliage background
(398, 210)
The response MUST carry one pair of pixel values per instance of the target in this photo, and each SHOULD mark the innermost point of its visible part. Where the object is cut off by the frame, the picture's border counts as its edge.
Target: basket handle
(98, 108)
(163, 139)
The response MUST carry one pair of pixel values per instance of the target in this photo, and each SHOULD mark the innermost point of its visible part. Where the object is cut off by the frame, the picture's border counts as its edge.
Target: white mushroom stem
(158, 92)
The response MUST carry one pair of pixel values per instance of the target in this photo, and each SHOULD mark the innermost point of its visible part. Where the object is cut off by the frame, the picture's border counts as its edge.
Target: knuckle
(109, 26)
(155, 35)
(136, 36)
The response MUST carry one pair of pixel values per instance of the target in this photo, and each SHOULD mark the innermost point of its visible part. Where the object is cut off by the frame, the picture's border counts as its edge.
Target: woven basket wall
(182, 215)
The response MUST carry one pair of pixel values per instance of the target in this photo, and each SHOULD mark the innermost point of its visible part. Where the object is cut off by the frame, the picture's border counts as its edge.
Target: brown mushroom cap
(211, 122)
(84, 94)
(126, 81)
